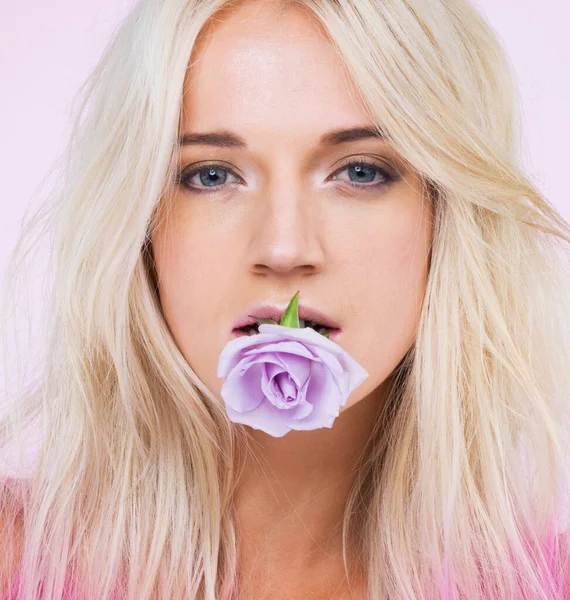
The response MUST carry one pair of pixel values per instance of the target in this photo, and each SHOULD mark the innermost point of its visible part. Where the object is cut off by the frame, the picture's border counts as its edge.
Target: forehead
(263, 69)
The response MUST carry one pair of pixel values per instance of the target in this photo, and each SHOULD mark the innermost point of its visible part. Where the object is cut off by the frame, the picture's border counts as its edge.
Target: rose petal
(261, 358)
(285, 388)
(298, 367)
(276, 385)
(235, 386)
(321, 388)
(303, 334)
(265, 418)
(302, 410)
(232, 353)
(351, 373)
(280, 346)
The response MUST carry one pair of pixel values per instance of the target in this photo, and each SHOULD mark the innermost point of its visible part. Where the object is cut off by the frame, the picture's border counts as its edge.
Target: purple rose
(285, 378)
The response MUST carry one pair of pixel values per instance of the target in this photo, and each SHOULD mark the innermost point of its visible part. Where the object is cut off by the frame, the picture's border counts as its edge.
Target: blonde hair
(131, 492)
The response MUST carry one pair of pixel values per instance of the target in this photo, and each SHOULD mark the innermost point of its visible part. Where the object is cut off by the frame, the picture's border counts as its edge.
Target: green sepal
(290, 317)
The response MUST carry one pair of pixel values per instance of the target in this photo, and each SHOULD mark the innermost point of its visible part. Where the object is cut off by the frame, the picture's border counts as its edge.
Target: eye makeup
(366, 166)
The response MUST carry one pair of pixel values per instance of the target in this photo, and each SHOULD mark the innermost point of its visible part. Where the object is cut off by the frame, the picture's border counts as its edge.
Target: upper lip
(275, 312)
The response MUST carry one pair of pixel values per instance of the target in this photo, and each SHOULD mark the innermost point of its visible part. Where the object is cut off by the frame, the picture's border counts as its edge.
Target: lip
(275, 312)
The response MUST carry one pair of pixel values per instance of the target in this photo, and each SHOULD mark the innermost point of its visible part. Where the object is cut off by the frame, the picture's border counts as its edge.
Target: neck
(292, 491)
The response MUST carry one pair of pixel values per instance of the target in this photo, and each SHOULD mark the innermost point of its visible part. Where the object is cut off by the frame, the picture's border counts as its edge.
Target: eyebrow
(226, 139)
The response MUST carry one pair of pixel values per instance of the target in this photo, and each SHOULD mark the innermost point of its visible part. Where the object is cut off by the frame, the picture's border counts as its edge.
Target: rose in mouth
(286, 376)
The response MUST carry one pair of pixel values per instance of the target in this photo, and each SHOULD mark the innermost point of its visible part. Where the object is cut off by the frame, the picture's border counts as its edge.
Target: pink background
(48, 47)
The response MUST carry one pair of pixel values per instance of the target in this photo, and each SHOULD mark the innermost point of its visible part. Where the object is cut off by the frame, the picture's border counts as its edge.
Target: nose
(287, 235)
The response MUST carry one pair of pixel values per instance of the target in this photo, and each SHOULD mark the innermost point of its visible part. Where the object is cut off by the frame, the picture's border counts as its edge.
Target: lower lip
(333, 333)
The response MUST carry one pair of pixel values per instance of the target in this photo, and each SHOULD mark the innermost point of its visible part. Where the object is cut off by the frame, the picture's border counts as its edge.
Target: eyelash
(183, 178)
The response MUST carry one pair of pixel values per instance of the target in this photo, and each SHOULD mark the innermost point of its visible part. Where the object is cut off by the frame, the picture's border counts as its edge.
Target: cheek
(193, 295)
(184, 253)
(387, 288)
(389, 259)
(188, 285)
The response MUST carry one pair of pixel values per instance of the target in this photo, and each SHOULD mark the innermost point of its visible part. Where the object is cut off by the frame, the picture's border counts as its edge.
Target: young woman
(364, 154)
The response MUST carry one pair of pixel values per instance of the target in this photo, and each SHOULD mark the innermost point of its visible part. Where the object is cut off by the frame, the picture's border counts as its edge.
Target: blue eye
(212, 176)
(362, 173)
(365, 172)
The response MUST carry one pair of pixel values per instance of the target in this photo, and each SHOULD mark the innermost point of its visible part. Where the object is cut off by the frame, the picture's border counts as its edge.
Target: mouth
(308, 317)
(253, 328)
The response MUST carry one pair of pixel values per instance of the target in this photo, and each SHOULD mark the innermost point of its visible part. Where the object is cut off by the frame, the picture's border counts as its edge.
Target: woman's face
(281, 211)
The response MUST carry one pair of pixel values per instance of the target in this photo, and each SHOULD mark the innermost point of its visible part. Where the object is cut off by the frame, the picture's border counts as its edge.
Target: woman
(362, 153)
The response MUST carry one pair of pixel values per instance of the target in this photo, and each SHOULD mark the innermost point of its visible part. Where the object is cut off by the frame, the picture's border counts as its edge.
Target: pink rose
(285, 378)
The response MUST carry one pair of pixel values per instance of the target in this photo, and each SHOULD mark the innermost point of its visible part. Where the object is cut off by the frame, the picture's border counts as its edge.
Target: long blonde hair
(462, 492)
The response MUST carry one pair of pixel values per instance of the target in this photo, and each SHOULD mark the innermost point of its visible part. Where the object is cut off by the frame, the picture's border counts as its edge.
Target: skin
(278, 220)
